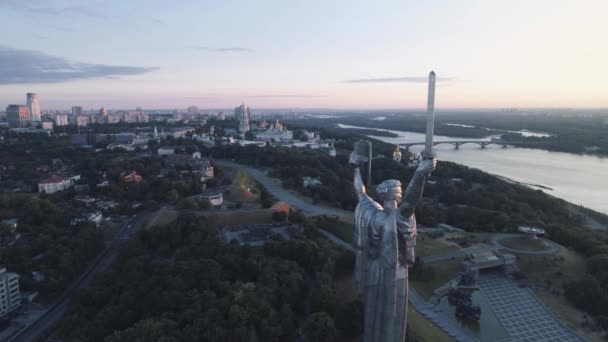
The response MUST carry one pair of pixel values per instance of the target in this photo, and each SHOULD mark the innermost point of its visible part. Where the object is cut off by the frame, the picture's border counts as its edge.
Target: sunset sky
(304, 54)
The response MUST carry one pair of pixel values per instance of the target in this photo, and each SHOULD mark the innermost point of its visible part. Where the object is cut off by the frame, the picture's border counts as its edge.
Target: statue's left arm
(413, 193)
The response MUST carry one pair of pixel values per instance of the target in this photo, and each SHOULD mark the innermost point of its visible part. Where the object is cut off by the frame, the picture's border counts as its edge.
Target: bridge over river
(457, 143)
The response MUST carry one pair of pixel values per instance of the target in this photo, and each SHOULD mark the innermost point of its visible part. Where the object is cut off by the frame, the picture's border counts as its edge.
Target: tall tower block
(34, 107)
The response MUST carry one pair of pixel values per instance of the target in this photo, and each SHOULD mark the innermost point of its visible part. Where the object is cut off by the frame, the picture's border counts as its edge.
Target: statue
(385, 238)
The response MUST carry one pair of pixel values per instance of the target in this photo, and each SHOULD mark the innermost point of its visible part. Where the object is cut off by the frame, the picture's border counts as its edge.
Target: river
(579, 179)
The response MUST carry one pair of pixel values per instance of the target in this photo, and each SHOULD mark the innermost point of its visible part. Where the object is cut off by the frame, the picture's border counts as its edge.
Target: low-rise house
(208, 170)
(215, 199)
(10, 298)
(103, 184)
(38, 276)
(42, 168)
(166, 151)
(133, 176)
(53, 184)
(95, 217)
(11, 223)
(311, 181)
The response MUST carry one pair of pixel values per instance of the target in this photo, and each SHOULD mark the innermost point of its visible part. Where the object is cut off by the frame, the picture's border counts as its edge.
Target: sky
(342, 54)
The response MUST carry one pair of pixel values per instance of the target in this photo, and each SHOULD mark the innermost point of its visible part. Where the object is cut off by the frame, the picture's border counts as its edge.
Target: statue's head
(390, 190)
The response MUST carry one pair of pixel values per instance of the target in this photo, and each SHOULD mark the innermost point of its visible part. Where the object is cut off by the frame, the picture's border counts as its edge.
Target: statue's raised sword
(430, 119)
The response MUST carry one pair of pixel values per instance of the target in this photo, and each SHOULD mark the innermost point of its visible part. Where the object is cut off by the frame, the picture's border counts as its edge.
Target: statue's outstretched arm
(413, 193)
(358, 183)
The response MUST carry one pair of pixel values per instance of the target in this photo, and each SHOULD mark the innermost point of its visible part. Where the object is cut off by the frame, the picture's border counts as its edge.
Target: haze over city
(303, 54)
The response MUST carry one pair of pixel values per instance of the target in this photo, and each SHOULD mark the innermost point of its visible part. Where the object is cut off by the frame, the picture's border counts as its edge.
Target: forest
(48, 244)
(180, 282)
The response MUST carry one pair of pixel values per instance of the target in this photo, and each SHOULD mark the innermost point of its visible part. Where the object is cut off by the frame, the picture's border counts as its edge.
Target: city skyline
(342, 55)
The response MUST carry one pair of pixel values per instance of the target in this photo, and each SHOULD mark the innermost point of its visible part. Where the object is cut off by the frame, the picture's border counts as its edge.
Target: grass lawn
(444, 271)
(242, 188)
(523, 243)
(426, 246)
(423, 330)
(340, 228)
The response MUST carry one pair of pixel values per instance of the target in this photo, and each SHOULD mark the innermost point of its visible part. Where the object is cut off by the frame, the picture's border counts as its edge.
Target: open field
(243, 188)
(523, 243)
(221, 218)
(423, 330)
(426, 246)
(444, 271)
(340, 228)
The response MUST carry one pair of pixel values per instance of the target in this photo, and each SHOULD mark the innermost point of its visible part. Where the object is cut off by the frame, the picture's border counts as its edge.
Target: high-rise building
(17, 115)
(10, 298)
(82, 120)
(76, 111)
(47, 125)
(61, 120)
(193, 110)
(103, 112)
(242, 114)
(34, 107)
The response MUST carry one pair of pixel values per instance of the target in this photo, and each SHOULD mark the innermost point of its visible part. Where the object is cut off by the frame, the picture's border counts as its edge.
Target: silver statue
(385, 238)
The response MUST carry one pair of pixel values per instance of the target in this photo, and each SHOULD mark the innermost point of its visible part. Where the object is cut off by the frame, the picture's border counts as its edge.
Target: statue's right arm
(358, 183)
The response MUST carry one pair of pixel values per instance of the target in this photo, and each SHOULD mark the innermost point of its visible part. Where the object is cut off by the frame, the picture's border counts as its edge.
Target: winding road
(41, 326)
(284, 195)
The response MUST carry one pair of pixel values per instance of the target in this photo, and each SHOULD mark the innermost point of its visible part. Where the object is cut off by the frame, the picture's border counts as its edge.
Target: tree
(320, 327)
(172, 196)
(205, 204)
(350, 318)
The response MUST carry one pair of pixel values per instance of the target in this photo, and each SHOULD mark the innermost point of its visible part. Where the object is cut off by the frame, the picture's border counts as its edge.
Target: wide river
(580, 179)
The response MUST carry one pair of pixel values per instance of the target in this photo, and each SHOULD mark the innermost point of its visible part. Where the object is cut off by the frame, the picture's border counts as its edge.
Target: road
(101, 263)
(284, 195)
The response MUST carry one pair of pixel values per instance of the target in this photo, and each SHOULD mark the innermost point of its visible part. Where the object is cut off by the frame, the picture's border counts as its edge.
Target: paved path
(101, 263)
(553, 247)
(521, 313)
(458, 253)
(337, 240)
(282, 194)
(496, 245)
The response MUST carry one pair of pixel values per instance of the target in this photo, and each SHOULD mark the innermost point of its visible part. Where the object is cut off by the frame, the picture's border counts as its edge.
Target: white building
(53, 184)
(242, 113)
(311, 181)
(82, 120)
(61, 120)
(95, 217)
(166, 151)
(179, 132)
(276, 132)
(332, 150)
(216, 199)
(32, 104)
(414, 160)
(76, 111)
(10, 298)
(47, 125)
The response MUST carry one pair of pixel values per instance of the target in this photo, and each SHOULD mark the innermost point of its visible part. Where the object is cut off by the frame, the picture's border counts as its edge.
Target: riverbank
(576, 178)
